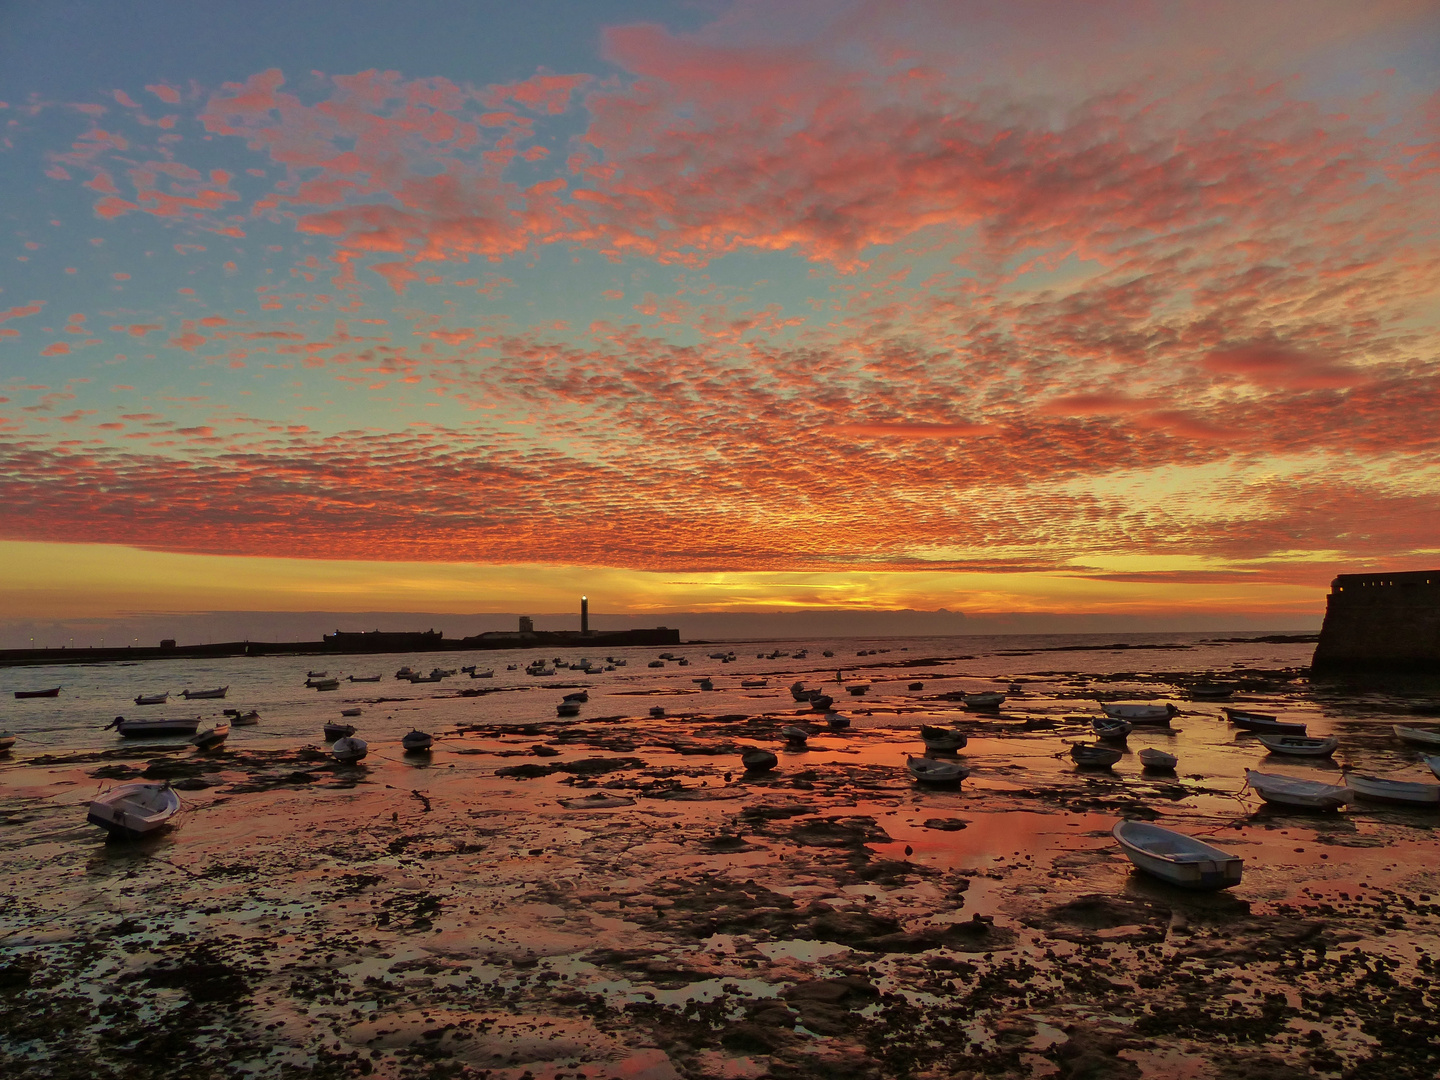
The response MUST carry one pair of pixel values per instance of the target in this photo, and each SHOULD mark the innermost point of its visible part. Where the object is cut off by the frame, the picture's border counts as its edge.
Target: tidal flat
(613, 896)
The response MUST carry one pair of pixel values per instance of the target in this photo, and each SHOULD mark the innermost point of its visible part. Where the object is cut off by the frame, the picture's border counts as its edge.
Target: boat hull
(1417, 736)
(1297, 746)
(1139, 714)
(134, 811)
(54, 691)
(135, 729)
(1176, 858)
(1296, 794)
(1379, 789)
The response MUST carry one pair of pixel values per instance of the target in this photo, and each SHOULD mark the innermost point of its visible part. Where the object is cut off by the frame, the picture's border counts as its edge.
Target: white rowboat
(211, 737)
(929, 771)
(1110, 729)
(1158, 760)
(944, 740)
(1298, 794)
(1383, 789)
(349, 749)
(133, 811)
(218, 692)
(1416, 736)
(1174, 857)
(7, 740)
(1299, 745)
(152, 699)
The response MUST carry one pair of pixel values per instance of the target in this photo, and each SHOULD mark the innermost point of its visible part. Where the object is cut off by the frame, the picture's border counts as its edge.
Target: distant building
(384, 641)
(527, 624)
(1381, 622)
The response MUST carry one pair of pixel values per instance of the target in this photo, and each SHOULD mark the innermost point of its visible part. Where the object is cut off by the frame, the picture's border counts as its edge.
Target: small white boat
(7, 740)
(349, 712)
(930, 771)
(405, 672)
(338, 731)
(133, 811)
(793, 735)
(134, 729)
(1090, 756)
(1139, 713)
(1431, 760)
(1158, 760)
(754, 684)
(568, 708)
(1416, 736)
(757, 760)
(1107, 728)
(211, 737)
(1300, 745)
(349, 749)
(363, 678)
(1384, 789)
(984, 701)
(1174, 857)
(243, 719)
(1211, 692)
(218, 692)
(152, 699)
(1296, 793)
(488, 673)
(316, 674)
(432, 677)
(942, 740)
(325, 684)
(416, 740)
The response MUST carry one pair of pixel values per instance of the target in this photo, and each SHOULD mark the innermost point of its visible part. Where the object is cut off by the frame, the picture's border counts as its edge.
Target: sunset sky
(1111, 307)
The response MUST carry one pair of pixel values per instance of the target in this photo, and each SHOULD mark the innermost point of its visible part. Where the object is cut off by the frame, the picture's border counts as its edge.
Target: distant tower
(584, 614)
(527, 624)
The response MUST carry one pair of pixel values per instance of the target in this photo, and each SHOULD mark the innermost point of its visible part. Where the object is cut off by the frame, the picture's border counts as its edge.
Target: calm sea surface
(291, 713)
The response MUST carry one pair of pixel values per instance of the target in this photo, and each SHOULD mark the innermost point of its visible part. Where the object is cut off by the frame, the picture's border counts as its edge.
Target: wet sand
(614, 897)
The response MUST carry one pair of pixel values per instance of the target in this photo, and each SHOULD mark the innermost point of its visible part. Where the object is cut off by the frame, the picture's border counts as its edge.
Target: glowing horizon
(1121, 309)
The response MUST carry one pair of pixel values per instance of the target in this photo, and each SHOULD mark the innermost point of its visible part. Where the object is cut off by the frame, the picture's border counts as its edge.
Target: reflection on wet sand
(617, 896)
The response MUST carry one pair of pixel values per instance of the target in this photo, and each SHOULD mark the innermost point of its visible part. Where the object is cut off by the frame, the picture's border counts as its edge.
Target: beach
(614, 896)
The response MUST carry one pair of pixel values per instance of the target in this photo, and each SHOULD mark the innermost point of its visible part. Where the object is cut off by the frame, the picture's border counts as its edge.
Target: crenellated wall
(1381, 622)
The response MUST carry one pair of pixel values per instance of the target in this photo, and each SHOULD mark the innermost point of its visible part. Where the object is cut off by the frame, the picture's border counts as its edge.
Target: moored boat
(798, 692)
(1174, 857)
(316, 674)
(349, 712)
(757, 760)
(568, 708)
(942, 740)
(1139, 712)
(349, 750)
(930, 771)
(821, 703)
(54, 691)
(211, 737)
(192, 695)
(1158, 760)
(1296, 793)
(325, 684)
(243, 719)
(7, 741)
(134, 729)
(1090, 756)
(837, 722)
(363, 678)
(1416, 736)
(579, 695)
(984, 701)
(1211, 692)
(1113, 730)
(338, 731)
(152, 699)
(754, 684)
(1431, 760)
(416, 741)
(488, 673)
(857, 689)
(1300, 745)
(133, 811)
(793, 735)
(1384, 789)
(657, 711)
(916, 686)
(1263, 723)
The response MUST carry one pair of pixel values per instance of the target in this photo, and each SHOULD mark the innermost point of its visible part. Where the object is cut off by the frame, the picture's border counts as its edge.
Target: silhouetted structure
(1381, 622)
(584, 614)
(383, 641)
(527, 624)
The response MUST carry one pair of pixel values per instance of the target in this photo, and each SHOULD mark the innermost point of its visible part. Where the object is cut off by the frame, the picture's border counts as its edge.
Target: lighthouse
(584, 614)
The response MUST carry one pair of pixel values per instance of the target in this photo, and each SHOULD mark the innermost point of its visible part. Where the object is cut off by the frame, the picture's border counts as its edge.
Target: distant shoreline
(539, 640)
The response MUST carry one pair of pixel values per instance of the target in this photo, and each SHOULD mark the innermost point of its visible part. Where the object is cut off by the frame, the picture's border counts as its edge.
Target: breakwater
(345, 644)
(1381, 622)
